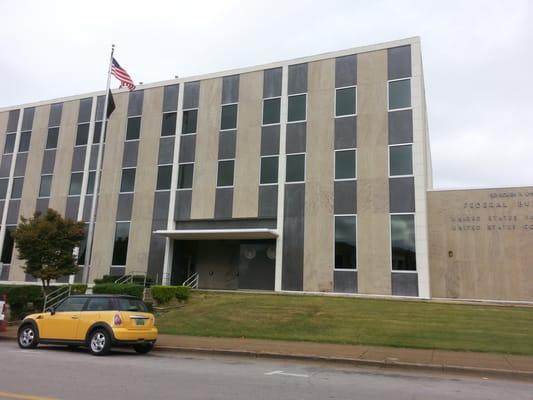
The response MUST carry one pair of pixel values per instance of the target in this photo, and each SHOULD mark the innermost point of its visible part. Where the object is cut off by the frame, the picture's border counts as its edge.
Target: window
(82, 136)
(228, 118)
(297, 108)
(9, 146)
(16, 192)
(51, 140)
(125, 304)
(168, 126)
(271, 111)
(188, 125)
(46, 185)
(72, 304)
(3, 187)
(9, 242)
(98, 132)
(295, 168)
(345, 101)
(400, 94)
(83, 246)
(120, 249)
(134, 128)
(75, 183)
(401, 160)
(269, 170)
(403, 242)
(164, 177)
(98, 304)
(127, 184)
(345, 164)
(345, 242)
(185, 175)
(24, 144)
(91, 182)
(225, 173)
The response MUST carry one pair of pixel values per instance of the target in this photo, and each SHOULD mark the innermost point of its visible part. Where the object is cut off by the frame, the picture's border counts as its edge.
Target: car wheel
(99, 342)
(143, 348)
(27, 337)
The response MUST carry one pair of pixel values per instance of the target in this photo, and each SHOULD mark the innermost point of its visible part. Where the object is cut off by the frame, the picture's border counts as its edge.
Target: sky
(477, 55)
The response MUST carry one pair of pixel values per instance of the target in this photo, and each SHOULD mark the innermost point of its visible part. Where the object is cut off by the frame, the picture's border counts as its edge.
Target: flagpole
(90, 234)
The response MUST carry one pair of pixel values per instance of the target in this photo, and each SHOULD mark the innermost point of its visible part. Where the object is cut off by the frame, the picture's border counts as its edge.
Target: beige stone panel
(145, 181)
(318, 235)
(248, 147)
(489, 233)
(32, 178)
(63, 163)
(205, 165)
(373, 242)
(104, 230)
(3, 127)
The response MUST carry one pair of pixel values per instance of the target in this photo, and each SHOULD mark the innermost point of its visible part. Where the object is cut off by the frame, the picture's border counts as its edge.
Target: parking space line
(286, 374)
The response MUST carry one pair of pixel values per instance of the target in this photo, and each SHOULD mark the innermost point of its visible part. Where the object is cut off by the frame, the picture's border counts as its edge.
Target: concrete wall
(481, 243)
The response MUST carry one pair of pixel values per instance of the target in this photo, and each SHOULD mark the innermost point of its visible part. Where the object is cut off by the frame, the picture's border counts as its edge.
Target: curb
(387, 364)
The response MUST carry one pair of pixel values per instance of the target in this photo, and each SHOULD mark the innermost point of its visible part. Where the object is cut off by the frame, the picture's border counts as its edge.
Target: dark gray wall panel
(191, 94)
(156, 257)
(293, 237)
(71, 209)
(230, 89)
(49, 159)
(399, 62)
(224, 203)
(87, 205)
(270, 140)
(1, 209)
(170, 98)
(84, 111)
(54, 118)
(187, 148)
(257, 273)
(272, 82)
(13, 212)
(20, 164)
(346, 132)
(78, 158)
(296, 137)
(27, 118)
(4, 272)
(268, 201)
(5, 165)
(346, 71)
(345, 200)
(29, 278)
(226, 144)
(13, 120)
(402, 195)
(94, 156)
(42, 205)
(166, 150)
(131, 150)
(161, 203)
(345, 281)
(234, 223)
(404, 284)
(100, 100)
(117, 271)
(135, 103)
(183, 205)
(401, 127)
(297, 78)
(124, 207)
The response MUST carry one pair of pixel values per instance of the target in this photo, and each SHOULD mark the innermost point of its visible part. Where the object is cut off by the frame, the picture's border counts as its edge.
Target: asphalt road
(49, 372)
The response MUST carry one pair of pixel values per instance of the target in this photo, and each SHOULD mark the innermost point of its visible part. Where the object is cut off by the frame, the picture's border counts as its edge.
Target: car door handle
(75, 317)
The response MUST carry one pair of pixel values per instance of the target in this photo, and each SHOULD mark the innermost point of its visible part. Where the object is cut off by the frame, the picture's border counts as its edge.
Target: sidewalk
(484, 364)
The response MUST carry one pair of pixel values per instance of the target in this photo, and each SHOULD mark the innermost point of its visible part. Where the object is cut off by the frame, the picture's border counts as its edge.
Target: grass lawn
(354, 321)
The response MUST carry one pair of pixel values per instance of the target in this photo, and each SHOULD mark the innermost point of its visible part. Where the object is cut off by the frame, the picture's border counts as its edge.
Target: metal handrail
(53, 298)
(129, 277)
(192, 281)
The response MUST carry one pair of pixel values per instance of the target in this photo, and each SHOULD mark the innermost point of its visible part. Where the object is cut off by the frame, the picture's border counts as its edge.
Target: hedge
(118, 288)
(163, 294)
(137, 279)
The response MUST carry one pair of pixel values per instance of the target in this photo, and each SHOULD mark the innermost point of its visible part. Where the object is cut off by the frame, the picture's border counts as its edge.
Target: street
(55, 372)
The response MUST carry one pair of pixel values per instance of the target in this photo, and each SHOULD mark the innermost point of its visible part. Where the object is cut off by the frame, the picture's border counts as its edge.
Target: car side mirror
(51, 310)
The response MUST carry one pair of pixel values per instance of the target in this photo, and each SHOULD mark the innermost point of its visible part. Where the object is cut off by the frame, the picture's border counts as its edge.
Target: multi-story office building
(303, 175)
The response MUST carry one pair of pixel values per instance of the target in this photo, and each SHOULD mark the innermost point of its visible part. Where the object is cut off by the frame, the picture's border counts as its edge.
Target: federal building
(307, 175)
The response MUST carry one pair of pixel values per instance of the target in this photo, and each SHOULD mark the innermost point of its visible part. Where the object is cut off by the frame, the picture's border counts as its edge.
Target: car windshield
(125, 304)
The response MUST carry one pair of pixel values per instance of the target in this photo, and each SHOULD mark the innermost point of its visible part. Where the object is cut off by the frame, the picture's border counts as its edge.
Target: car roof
(121, 296)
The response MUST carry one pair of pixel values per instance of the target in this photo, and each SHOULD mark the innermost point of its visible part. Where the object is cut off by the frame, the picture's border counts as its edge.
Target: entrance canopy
(218, 234)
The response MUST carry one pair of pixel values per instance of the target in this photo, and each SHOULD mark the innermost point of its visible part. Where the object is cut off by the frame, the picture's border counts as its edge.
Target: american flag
(120, 73)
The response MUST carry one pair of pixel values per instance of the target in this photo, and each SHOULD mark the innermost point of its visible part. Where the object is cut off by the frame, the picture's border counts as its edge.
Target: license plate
(139, 322)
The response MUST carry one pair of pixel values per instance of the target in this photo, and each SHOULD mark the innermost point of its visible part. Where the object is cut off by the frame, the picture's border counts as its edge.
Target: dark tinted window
(7, 249)
(72, 304)
(120, 249)
(345, 164)
(51, 139)
(128, 180)
(168, 126)
(225, 173)
(345, 101)
(83, 246)
(9, 146)
(125, 304)
(16, 192)
(295, 168)
(185, 175)
(401, 160)
(75, 183)
(400, 94)
(134, 128)
(98, 304)
(189, 122)
(228, 119)
(345, 242)
(82, 136)
(3, 187)
(164, 176)
(403, 242)
(98, 132)
(297, 108)
(271, 111)
(24, 144)
(269, 170)
(91, 182)
(46, 185)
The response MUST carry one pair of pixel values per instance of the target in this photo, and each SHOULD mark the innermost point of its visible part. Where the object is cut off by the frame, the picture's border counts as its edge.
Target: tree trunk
(44, 286)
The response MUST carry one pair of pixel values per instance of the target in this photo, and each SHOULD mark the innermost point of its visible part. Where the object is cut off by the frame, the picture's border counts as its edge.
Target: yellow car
(95, 321)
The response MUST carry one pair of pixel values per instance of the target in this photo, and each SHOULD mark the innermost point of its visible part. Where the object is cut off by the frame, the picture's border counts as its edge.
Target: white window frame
(410, 94)
(182, 113)
(260, 163)
(25, 151)
(192, 184)
(335, 165)
(47, 133)
(70, 182)
(306, 107)
(412, 161)
(88, 134)
(233, 180)
(263, 111)
(305, 167)
(236, 117)
(126, 133)
(335, 102)
(162, 115)
(356, 242)
(121, 176)
(415, 271)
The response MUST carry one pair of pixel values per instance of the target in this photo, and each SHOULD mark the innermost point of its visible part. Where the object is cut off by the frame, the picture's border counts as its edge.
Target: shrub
(137, 279)
(163, 294)
(78, 289)
(183, 292)
(117, 288)
(18, 298)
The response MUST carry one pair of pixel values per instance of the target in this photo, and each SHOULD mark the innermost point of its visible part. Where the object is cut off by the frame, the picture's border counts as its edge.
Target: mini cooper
(97, 322)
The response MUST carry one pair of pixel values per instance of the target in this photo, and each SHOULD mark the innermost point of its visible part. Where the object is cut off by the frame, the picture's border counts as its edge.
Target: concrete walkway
(493, 364)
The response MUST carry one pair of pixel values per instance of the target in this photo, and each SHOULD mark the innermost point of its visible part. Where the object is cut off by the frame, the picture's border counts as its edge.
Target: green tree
(46, 242)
